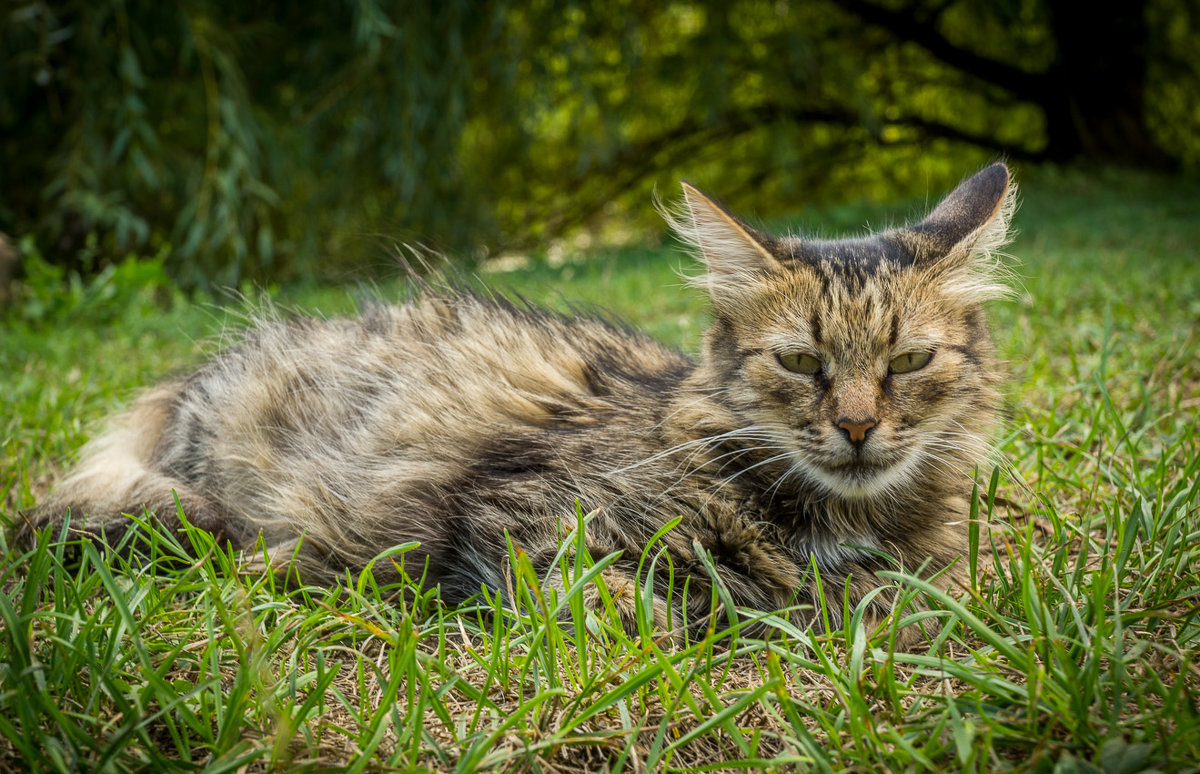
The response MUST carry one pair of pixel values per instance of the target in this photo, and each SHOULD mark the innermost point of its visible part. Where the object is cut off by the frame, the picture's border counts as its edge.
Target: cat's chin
(863, 480)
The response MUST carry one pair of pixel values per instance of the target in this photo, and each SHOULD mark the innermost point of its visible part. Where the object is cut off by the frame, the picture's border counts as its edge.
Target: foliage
(278, 140)
(51, 293)
(1074, 651)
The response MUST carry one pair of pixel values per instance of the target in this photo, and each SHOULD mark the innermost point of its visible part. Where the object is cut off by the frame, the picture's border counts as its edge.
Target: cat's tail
(116, 478)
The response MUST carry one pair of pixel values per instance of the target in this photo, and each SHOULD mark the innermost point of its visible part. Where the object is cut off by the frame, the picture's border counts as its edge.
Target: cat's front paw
(619, 599)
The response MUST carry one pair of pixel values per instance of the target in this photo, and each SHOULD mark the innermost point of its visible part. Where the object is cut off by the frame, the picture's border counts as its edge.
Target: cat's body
(844, 394)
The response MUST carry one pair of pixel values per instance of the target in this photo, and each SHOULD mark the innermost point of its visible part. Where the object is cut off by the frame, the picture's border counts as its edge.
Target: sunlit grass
(1074, 650)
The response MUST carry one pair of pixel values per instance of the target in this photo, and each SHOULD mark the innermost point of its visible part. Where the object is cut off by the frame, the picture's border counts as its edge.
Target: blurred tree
(1086, 70)
(276, 139)
(244, 135)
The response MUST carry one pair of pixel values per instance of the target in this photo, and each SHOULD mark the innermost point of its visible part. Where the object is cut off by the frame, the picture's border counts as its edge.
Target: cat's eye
(909, 361)
(799, 362)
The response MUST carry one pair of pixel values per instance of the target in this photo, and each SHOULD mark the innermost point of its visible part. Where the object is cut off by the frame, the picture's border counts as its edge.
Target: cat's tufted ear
(961, 236)
(735, 254)
(973, 215)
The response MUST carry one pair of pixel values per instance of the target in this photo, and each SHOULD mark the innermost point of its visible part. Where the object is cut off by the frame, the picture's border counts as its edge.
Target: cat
(844, 394)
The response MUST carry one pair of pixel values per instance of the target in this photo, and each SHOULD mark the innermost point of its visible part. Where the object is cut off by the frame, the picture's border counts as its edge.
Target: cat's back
(439, 375)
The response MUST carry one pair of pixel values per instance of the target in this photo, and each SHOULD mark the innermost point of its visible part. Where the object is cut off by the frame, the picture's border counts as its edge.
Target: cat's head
(864, 363)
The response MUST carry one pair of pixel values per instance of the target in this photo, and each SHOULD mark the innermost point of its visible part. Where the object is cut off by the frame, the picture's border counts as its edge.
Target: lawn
(1074, 650)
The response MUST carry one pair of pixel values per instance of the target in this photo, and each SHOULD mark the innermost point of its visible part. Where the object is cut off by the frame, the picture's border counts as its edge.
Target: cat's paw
(622, 594)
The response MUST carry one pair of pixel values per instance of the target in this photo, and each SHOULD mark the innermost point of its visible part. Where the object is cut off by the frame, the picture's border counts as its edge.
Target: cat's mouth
(867, 461)
(860, 478)
(858, 470)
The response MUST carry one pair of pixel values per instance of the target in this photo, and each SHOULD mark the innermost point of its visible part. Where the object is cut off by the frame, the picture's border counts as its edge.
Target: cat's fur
(456, 419)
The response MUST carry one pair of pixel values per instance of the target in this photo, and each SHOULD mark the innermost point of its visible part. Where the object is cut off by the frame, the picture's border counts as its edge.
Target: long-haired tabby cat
(844, 393)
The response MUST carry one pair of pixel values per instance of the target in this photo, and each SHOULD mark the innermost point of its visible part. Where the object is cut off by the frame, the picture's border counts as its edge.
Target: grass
(1075, 650)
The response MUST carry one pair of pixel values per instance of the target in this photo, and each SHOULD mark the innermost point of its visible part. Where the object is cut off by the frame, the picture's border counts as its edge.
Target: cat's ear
(735, 254)
(975, 214)
(960, 237)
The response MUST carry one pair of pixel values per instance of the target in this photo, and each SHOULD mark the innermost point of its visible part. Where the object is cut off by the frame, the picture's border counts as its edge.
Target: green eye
(799, 362)
(909, 361)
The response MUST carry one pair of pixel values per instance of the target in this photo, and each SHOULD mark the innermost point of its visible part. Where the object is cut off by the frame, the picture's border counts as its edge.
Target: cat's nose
(856, 429)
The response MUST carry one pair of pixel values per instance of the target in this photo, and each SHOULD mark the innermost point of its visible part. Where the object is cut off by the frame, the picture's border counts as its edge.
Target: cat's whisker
(747, 433)
(708, 395)
(794, 470)
(988, 452)
(737, 453)
(978, 454)
(716, 489)
(701, 469)
(768, 461)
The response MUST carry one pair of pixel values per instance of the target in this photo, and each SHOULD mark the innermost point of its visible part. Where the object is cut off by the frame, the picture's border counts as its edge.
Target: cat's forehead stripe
(849, 259)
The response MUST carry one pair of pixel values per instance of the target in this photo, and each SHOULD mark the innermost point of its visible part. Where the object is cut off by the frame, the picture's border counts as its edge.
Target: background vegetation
(276, 140)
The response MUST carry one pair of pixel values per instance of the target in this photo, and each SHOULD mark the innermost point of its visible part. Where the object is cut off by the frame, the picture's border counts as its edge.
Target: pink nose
(856, 429)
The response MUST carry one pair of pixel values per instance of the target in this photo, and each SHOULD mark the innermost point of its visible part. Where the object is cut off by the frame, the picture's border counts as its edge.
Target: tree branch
(907, 26)
(635, 162)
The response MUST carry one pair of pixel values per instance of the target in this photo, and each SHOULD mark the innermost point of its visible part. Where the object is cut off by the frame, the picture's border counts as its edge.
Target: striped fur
(456, 419)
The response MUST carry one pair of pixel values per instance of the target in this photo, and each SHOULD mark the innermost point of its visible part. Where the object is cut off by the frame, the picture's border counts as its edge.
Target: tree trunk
(1095, 100)
(1093, 95)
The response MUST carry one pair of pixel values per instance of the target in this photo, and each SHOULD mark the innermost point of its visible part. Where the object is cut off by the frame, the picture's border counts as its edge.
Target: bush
(51, 294)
